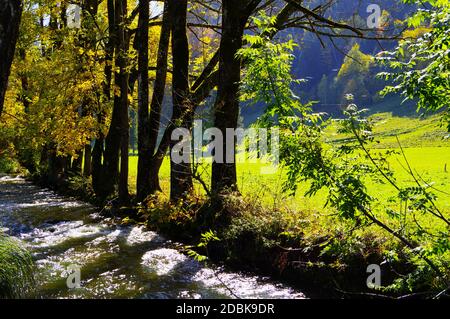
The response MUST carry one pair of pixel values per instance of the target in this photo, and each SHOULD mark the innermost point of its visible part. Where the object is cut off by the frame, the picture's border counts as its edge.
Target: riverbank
(261, 241)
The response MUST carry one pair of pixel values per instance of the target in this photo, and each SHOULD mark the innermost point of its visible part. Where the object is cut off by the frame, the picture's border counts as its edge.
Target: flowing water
(115, 261)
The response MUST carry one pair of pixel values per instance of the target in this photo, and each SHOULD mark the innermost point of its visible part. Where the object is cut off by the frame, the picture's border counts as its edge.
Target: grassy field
(425, 147)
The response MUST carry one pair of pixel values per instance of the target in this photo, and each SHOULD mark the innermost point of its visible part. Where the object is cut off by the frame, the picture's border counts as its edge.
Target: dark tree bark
(235, 14)
(161, 74)
(56, 166)
(10, 14)
(148, 125)
(88, 40)
(97, 165)
(180, 172)
(24, 98)
(92, 6)
(121, 80)
(63, 16)
(87, 160)
(116, 141)
(112, 140)
(143, 177)
(77, 163)
(99, 173)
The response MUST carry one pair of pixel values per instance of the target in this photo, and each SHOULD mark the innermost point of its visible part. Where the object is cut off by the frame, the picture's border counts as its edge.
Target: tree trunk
(144, 154)
(55, 169)
(148, 125)
(87, 161)
(226, 108)
(121, 81)
(24, 98)
(10, 14)
(113, 138)
(98, 153)
(86, 40)
(180, 172)
(97, 165)
(77, 163)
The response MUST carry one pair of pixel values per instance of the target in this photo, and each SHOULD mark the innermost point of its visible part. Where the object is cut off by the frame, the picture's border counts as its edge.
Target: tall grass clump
(16, 269)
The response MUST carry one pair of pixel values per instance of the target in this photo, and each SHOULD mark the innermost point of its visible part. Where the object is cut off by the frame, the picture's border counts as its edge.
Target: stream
(114, 261)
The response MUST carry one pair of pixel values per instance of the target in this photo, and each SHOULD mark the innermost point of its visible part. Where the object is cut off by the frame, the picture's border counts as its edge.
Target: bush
(8, 165)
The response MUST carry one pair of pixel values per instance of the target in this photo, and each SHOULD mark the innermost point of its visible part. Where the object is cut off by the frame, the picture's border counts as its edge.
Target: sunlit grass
(411, 132)
(432, 164)
(426, 150)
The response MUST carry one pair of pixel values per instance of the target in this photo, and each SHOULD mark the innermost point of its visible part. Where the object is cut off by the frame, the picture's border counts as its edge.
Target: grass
(16, 268)
(423, 140)
(411, 131)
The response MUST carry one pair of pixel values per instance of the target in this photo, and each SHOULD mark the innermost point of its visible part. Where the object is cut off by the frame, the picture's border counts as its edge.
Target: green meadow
(424, 142)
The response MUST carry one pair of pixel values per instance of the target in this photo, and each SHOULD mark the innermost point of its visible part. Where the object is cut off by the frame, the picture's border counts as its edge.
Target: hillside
(411, 131)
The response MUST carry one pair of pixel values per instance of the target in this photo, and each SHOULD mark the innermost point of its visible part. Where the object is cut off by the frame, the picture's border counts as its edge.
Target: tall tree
(10, 14)
(101, 188)
(235, 14)
(143, 177)
(116, 142)
(180, 172)
(149, 158)
(87, 41)
(121, 80)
